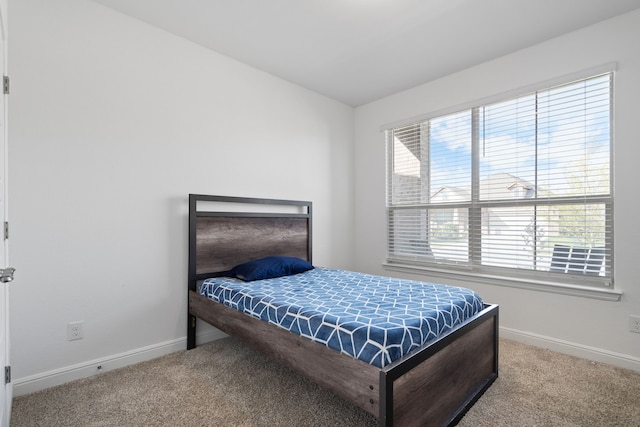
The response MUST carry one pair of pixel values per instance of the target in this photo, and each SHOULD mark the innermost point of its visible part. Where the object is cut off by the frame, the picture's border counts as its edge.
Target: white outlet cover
(75, 331)
(634, 323)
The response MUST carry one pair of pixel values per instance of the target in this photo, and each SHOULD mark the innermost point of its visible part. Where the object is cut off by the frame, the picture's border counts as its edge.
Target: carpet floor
(224, 383)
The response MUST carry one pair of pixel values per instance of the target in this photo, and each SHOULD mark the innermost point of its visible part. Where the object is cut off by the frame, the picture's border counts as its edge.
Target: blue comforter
(373, 318)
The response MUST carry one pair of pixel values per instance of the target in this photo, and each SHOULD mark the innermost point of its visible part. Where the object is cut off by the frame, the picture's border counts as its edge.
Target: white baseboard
(566, 347)
(33, 383)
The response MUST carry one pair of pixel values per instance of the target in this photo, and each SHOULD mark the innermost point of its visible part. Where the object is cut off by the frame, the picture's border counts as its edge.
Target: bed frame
(433, 385)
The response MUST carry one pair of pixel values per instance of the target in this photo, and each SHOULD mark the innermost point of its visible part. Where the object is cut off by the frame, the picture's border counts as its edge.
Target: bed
(432, 383)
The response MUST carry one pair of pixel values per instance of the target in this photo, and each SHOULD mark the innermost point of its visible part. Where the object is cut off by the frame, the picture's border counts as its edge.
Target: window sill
(603, 294)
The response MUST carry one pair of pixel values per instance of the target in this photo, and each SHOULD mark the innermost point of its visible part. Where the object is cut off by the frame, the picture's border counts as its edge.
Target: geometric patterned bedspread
(373, 318)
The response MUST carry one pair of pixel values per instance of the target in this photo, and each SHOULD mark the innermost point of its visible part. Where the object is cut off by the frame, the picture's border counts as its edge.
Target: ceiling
(357, 51)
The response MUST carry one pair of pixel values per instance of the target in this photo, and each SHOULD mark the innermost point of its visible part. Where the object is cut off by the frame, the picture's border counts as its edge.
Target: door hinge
(5, 85)
(6, 230)
(7, 374)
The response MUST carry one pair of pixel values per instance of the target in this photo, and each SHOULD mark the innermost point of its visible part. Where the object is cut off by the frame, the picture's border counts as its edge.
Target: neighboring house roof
(499, 185)
(458, 193)
(502, 185)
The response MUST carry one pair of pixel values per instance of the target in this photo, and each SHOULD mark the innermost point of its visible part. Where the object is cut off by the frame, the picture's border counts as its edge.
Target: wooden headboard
(226, 231)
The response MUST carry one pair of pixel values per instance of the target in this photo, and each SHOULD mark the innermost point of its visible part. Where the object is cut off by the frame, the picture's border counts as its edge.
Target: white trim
(44, 380)
(593, 292)
(34, 383)
(573, 349)
(546, 84)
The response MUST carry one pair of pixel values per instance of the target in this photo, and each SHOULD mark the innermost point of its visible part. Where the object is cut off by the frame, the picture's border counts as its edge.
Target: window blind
(517, 186)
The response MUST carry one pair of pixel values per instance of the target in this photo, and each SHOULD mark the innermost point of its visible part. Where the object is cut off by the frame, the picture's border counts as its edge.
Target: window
(520, 187)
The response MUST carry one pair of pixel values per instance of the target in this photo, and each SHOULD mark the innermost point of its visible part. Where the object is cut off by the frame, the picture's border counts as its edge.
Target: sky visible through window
(548, 140)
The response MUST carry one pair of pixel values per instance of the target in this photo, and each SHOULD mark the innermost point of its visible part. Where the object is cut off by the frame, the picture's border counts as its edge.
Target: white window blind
(521, 186)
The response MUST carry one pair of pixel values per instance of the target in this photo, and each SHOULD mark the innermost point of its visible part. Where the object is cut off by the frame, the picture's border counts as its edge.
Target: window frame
(507, 276)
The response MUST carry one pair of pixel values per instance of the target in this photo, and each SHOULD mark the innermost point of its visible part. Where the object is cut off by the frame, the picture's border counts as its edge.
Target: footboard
(437, 385)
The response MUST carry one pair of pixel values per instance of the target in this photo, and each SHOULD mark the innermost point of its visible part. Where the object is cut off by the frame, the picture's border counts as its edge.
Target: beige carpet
(226, 384)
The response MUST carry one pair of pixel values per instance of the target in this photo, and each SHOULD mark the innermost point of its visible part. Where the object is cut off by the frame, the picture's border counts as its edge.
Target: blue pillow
(270, 267)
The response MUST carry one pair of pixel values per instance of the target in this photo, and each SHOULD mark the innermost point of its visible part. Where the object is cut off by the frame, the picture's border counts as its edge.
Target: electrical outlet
(75, 331)
(634, 323)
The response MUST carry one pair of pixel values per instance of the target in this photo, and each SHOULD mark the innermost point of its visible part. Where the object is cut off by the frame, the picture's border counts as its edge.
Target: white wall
(578, 325)
(112, 123)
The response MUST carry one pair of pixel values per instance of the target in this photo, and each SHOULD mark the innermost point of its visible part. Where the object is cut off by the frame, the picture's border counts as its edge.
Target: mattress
(375, 319)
